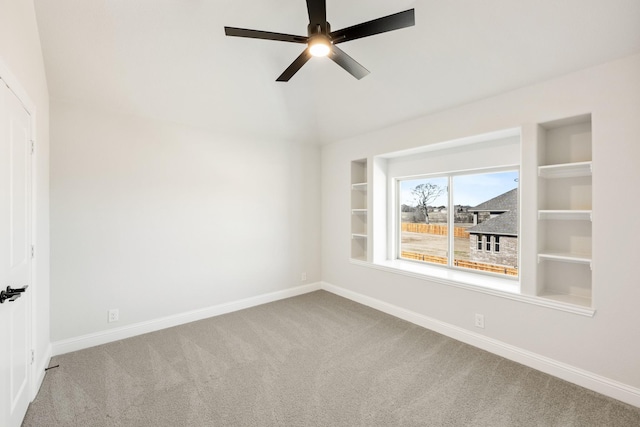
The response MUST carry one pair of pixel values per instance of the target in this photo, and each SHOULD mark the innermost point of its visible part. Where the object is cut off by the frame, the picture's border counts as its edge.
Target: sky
(469, 190)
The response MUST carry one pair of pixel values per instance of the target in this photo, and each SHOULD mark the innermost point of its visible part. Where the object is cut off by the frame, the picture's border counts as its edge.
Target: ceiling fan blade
(295, 66)
(317, 12)
(348, 63)
(265, 35)
(377, 26)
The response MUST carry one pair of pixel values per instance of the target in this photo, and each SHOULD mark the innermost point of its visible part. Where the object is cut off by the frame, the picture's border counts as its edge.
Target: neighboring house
(494, 238)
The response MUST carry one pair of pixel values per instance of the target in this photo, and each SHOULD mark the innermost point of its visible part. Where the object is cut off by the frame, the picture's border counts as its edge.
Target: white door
(15, 258)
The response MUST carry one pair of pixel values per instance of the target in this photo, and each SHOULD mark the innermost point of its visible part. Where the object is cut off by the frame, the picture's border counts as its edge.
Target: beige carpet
(313, 360)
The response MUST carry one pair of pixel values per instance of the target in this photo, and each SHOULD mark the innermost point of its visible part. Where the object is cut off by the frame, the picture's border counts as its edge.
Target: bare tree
(424, 194)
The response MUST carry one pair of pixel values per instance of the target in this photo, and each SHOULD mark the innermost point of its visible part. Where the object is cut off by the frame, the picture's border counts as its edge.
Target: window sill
(486, 284)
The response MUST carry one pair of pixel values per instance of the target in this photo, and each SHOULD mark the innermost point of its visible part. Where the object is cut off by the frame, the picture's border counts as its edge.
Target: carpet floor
(313, 360)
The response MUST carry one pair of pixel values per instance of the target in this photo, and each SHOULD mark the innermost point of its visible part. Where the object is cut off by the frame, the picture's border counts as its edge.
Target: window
(459, 220)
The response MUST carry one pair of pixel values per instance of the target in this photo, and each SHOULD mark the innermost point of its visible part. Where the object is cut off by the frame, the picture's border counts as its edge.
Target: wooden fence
(424, 257)
(438, 229)
(510, 271)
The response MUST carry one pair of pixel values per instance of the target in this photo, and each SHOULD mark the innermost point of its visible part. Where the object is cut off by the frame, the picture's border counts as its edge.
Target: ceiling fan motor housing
(320, 42)
(319, 28)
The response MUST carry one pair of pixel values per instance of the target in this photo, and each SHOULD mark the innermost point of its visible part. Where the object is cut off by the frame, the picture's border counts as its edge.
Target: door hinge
(33, 356)
(33, 251)
(33, 146)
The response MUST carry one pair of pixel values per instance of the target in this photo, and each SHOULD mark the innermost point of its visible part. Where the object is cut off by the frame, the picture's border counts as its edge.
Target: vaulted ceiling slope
(170, 59)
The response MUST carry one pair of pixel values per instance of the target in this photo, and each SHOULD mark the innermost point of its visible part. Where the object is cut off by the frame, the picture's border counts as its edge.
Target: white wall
(605, 345)
(157, 219)
(21, 54)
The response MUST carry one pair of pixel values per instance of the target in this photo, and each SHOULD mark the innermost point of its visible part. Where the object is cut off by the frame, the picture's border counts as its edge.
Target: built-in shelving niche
(565, 210)
(359, 212)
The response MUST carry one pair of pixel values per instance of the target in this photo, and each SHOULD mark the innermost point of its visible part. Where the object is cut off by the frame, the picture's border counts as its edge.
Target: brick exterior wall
(507, 256)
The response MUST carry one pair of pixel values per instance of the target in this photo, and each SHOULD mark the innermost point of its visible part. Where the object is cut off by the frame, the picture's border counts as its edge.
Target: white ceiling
(170, 59)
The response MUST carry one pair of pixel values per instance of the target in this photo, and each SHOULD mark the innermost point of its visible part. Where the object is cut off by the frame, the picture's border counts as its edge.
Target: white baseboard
(103, 337)
(581, 377)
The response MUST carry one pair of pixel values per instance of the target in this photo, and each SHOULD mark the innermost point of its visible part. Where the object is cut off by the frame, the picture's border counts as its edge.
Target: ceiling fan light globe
(320, 48)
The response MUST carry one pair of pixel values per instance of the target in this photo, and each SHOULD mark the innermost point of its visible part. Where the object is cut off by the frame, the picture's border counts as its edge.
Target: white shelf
(358, 236)
(361, 186)
(568, 214)
(358, 211)
(568, 299)
(565, 170)
(565, 257)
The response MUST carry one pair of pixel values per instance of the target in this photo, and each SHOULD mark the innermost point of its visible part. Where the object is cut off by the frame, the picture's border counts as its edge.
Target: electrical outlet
(479, 321)
(114, 315)
(303, 277)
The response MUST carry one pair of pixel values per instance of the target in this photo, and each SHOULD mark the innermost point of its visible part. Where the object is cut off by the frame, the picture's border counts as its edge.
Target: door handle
(11, 294)
(8, 297)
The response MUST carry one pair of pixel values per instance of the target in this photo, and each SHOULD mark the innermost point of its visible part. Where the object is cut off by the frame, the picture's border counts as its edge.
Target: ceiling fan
(321, 41)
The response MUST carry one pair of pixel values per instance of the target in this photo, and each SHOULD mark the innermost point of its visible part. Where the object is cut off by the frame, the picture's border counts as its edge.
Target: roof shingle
(504, 202)
(505, 224)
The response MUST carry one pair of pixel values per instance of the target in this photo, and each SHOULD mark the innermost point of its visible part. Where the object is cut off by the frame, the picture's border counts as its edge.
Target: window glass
(424, 219)
(486, 208)
(481, 226)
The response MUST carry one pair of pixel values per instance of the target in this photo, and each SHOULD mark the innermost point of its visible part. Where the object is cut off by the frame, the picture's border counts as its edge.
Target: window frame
(395, 221)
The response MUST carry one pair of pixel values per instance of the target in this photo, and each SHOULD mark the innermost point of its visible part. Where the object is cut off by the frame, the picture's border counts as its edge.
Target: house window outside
(461, 220)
